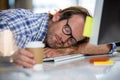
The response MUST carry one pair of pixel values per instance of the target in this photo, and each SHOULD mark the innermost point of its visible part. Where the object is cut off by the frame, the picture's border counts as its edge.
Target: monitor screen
(106, 22)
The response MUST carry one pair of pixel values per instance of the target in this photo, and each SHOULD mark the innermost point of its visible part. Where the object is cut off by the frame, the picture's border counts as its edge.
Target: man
(61, 32)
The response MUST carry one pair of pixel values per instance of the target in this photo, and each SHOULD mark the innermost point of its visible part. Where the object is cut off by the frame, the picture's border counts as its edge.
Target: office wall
(26, 4)
(4, 4)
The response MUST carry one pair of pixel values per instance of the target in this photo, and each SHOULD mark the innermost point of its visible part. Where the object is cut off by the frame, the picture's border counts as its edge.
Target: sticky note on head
(88, 27)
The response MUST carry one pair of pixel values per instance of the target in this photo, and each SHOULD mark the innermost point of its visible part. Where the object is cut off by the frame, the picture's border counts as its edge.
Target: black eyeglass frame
(68, 31)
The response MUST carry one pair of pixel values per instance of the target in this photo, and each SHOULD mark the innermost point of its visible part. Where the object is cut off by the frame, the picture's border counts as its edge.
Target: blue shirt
(25, 25)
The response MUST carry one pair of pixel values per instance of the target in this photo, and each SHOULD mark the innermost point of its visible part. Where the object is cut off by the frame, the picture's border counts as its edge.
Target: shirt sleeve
(113, 49)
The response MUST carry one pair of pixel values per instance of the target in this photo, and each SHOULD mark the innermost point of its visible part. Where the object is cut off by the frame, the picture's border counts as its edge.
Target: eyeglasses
(68, 31)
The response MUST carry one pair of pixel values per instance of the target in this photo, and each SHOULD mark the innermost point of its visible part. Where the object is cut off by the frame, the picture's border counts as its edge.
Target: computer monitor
(106, 22)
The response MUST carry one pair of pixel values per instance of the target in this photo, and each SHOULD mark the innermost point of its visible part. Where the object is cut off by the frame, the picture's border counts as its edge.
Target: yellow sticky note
(87, 27)
(109, 62)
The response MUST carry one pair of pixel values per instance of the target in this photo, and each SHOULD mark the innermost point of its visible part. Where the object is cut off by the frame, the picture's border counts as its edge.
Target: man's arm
(25, 58)
(83, 48)
(87, 48)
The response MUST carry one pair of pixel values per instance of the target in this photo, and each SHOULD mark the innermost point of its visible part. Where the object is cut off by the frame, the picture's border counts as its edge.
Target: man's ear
(56, 17)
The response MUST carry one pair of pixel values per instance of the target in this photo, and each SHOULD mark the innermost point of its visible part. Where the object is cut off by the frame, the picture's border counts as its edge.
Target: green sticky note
(87, 27)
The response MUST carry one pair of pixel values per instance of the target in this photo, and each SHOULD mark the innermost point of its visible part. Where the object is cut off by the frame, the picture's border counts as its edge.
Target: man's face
(66, 32)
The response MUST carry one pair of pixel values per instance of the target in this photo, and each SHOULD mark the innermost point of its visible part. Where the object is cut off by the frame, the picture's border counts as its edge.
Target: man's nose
(65, 38)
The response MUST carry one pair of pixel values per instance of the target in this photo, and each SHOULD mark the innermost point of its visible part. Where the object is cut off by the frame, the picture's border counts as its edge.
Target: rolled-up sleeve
(113, 49)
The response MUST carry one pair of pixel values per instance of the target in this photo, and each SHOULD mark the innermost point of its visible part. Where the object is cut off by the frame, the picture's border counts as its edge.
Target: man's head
(66, 27)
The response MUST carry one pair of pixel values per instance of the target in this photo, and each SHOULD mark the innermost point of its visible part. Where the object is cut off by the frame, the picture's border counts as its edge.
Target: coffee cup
(36, 48)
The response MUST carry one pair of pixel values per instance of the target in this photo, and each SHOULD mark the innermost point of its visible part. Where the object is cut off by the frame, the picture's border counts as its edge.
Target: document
(65, 58)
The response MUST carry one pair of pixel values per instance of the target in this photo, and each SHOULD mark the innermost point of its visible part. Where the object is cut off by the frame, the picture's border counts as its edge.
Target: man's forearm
(84, 48)
(87, 48)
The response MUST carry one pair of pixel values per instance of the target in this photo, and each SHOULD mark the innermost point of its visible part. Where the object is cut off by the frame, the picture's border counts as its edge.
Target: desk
(73, 70)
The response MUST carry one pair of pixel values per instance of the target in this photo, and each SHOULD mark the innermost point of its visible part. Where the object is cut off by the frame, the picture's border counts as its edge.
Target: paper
(65, 58)
(88, 27)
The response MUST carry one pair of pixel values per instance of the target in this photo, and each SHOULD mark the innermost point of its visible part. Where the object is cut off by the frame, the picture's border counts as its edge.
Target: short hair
(73, 10)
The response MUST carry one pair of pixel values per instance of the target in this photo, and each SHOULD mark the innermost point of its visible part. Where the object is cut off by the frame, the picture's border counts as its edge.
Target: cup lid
(35, 44)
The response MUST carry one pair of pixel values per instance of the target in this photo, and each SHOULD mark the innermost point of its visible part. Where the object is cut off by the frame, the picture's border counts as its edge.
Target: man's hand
(49, 52)
(23, 58)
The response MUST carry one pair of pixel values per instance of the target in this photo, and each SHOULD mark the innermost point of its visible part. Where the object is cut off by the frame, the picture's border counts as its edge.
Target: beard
(51, 41)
